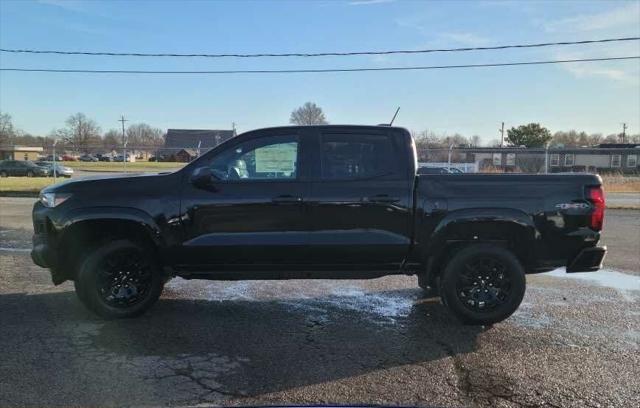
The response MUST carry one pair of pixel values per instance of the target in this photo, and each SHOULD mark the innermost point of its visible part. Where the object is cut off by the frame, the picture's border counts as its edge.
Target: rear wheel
(483, 284)
(119, 279)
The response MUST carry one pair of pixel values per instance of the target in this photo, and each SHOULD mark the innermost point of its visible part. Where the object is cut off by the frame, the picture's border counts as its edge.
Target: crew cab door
(360, 200)
(252, 215)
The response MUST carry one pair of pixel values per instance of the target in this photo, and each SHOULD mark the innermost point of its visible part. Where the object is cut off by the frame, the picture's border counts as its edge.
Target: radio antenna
(394, 116)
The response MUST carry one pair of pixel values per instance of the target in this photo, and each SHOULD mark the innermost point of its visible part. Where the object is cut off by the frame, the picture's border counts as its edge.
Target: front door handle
(286, 199)
(380, 198)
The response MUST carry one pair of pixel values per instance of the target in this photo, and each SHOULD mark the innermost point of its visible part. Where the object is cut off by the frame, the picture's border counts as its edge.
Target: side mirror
(202, 177)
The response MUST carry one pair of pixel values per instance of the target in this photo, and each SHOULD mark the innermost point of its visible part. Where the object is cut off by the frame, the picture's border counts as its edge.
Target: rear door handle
(286, 199)
(381, 198)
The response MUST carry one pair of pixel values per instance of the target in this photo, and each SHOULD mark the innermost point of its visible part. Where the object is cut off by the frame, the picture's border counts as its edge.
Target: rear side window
(349, 157)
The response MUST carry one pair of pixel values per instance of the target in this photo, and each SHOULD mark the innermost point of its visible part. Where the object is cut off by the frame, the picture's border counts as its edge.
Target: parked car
(50, 158)
(328, 202)
(21, 168)
(104, 157)
(68, 157)
(87, 158)
(60, 170)
(433, 170)
(120, 158)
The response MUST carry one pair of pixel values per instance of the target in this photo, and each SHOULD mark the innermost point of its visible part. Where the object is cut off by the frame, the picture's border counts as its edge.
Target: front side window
(266, 158)
(348, 157)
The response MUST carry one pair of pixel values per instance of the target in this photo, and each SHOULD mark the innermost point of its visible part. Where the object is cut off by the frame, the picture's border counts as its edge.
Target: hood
(108, 184)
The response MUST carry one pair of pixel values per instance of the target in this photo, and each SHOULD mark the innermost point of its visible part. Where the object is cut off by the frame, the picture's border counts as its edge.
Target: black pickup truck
(327, 202)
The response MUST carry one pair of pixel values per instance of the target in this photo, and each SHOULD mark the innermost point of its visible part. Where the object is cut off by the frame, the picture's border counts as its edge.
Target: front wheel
(483, 284)
(119, 279)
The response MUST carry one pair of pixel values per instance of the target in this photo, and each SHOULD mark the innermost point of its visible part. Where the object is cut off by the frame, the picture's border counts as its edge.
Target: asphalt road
(575, 341)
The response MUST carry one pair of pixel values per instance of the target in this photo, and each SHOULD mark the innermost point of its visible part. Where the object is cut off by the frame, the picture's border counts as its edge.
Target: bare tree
(80, 132)
(143, 135)
(308, 114)
(7, 132)
(112, 139)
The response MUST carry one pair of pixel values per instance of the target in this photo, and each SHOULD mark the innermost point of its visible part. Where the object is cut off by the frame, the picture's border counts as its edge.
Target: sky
(594, 97)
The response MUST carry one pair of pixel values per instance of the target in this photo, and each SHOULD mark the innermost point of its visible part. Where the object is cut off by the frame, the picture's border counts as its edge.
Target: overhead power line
(318, 70)
(318, 54)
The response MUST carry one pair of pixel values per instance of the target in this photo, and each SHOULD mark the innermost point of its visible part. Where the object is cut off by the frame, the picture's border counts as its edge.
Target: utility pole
(122, 120)
(501, 130)
(624, 131)
(124, 143)
(55, 171)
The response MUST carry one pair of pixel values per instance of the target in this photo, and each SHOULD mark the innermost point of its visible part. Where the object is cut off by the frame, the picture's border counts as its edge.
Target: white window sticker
(278, 158)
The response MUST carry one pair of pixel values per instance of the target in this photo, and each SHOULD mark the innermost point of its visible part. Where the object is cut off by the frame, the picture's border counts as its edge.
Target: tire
(119, 279)
(3, 174)
(476, 300)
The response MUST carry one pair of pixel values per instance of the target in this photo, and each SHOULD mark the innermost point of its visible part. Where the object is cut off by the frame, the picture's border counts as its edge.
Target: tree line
(82, 134)
(529, 135)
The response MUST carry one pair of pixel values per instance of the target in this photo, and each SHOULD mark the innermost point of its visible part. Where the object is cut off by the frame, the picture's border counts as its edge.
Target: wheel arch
(508, 228)
(85, 229)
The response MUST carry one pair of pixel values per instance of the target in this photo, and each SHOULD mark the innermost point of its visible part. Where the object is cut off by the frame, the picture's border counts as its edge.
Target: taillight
(596, 196)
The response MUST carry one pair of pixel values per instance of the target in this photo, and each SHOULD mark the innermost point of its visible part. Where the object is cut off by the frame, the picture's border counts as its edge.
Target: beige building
(20, 152)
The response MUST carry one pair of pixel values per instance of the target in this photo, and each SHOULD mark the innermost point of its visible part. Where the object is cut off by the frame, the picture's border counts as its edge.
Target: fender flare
(143, 218)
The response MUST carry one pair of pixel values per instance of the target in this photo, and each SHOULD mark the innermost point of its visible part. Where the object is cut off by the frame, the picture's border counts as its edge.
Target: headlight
(53, 199)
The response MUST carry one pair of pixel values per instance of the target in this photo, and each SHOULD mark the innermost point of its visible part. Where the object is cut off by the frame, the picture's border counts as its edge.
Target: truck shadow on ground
(199, 350)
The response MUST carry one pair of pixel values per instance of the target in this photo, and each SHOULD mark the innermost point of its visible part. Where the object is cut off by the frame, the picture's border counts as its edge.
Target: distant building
(605, 158)
(20, 152)
(183, 144)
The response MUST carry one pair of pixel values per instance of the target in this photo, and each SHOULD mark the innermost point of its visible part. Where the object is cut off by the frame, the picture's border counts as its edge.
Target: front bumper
(588, 260)
(43, 254)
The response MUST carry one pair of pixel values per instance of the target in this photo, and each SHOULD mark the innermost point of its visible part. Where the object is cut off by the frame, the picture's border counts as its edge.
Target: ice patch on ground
(622, 282)
(212, 290)
(15, 249)
(380, 304)
(527, 316)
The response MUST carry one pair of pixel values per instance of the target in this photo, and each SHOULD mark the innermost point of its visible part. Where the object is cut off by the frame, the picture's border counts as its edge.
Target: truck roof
(332, 127)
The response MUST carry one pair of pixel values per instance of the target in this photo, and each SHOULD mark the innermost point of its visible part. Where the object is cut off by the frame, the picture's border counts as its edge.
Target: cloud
(368, 2)
(69, 5)
(468, 39)
(624, 17)
(627, 72)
